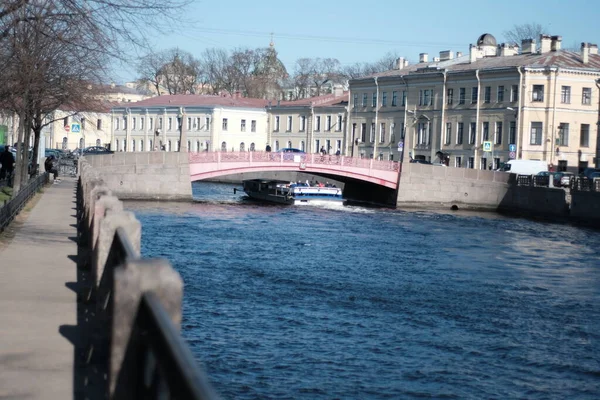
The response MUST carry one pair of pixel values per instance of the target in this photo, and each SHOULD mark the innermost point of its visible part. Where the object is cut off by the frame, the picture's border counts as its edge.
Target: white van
(524, 167)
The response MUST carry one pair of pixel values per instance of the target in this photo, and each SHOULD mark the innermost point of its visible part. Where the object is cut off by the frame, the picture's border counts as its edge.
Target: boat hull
(281, 192)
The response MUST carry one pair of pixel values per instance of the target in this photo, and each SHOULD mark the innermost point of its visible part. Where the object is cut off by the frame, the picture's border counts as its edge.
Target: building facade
(310, 124)
(190, 123)
(483, 108)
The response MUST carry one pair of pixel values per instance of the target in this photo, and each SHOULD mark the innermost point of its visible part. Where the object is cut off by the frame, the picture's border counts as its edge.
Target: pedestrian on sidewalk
(8, 164)
(51, 168)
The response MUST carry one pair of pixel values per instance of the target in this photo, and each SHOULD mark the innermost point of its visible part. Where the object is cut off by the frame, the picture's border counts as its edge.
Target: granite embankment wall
(146, 175)
(585, 207)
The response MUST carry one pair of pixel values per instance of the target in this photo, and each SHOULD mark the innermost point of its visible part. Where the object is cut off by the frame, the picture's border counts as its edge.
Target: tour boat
(283, 192)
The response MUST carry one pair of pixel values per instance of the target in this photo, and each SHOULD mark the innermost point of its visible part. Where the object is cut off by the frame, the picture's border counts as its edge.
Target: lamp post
(597, 159)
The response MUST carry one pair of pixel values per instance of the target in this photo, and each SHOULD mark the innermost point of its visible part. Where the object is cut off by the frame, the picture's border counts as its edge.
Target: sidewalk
(38, 304)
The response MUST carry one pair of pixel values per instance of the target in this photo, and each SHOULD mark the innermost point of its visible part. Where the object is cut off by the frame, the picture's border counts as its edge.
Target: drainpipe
(519, 120)
(597, 163)
(442, 124)
(477, 141)
(404, 129)
(309, 145)
(553, 130)
(376, 115)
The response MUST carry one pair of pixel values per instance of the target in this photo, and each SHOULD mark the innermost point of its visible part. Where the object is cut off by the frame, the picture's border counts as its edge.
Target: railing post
(130, 282)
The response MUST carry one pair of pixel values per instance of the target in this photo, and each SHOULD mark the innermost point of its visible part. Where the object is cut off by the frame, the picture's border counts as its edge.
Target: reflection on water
(316, 303)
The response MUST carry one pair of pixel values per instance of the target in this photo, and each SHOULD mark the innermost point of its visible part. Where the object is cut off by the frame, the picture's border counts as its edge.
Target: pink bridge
(206, 165)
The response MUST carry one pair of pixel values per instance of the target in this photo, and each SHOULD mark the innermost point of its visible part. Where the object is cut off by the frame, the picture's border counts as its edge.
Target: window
(317, 123)
(141, 124)
(392, 132)
(500, 95)
(512, 133)
(160, 123)
(374, 100)
(364, 101)
(372, 133)
(423, 133)
(459, 132)
(223, 146)
(98, 124)
(483, 164)
(498, 134)
(363, 132)
(288, 127)
(404, 98)
(133, 123)
(448, 133)
(462, 94)
(425, 97)
(538, 93)
(242, 146)
(382, 132)
(473, 95)
(243, 126)
(449, 96)
(253, 126)
(207, 123)
(302, 123)
(355, 102)
(586, 96)
(584, 135)
(563, 134)
(565, 94)
(66, 122)
(224, 124)
(496, 163)
(151, 125)
(514, 93)
(536, 133)
(125, 123)
(458, 162)
(384, 99)
(328, 123)
(197, 123)
(338, 124)
(394, 98)
(189, 124)
(471, 162)
(485, 132)
(170, 124)
(276, 127)
(472, 132)
(487, 94)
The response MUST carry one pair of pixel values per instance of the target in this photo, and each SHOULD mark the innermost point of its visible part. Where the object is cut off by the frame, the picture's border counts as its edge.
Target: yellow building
(480, 109)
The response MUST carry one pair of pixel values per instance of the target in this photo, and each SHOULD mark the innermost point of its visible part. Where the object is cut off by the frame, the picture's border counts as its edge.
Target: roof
(191, 100)
(560, 58)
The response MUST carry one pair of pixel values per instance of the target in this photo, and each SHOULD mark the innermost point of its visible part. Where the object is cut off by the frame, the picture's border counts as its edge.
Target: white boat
(282, 192)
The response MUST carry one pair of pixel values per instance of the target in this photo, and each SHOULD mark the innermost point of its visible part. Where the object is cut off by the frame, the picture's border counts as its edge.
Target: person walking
(8, 164)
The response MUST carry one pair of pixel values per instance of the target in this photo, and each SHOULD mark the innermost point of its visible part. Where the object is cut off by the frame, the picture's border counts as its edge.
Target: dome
(486, 40)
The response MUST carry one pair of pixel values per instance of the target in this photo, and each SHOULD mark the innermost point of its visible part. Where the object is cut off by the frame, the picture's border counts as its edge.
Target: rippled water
(357, 303)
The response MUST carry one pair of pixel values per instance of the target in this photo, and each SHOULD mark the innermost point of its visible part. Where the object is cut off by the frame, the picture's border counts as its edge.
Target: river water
(364, 303)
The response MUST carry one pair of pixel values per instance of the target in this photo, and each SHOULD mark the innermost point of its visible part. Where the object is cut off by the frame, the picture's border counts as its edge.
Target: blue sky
(363, 31)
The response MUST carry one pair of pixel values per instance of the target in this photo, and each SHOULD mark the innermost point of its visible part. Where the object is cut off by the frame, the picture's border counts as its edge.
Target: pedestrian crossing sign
(487, 146)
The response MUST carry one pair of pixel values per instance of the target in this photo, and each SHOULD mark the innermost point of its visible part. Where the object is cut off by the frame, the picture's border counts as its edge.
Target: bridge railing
(292, 158)
(138, 303)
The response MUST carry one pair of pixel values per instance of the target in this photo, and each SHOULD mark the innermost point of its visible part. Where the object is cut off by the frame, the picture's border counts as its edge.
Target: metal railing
(583, 184)
(66, 166)
(11, 208)
(138, 303)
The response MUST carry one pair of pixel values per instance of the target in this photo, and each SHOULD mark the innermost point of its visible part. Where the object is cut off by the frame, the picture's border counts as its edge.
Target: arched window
(277, 145)
(302, 146)
(224, 146)
(64, 143)
(98, 142)
(81, 143)
(289, 144)
(242, 147)
(252, 147)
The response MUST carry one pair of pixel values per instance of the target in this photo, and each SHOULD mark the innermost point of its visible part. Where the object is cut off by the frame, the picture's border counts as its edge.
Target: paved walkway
(38, 307)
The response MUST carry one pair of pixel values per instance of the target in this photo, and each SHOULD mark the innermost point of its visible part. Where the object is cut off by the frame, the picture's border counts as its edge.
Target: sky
(364, 31)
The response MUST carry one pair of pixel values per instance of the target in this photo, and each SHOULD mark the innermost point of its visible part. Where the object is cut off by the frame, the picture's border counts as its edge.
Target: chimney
(405, 63)
(585, 52)
(506, 49)
(399, 64)
(593, 48)
(545, 42)
(472, 53)
(446, 55)
(555, 44)
(423, 58)
(458, 54)
(436, 59)
(528, 46)
(338, 91)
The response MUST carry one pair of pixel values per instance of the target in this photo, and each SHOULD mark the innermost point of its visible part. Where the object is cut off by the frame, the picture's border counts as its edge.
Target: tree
(172, 71)
(523, 31)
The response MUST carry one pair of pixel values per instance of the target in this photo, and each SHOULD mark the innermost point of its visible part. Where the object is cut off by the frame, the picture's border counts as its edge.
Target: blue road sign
(512, 147)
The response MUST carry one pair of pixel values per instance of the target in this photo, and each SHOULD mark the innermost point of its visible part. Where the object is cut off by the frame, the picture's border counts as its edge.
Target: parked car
(96, 150)
(587, 173)
(291, 153)
(565, 178)
(419, 161)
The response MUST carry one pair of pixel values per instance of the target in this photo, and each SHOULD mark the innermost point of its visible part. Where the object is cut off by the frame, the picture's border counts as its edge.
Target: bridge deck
(38, 310)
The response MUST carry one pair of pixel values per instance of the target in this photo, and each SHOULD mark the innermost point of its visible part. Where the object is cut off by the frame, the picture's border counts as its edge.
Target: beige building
(206, 123)
(480, 109)
(310, 124)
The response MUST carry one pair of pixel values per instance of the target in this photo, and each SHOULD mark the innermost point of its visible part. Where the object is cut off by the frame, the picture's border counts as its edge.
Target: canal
(371, 303)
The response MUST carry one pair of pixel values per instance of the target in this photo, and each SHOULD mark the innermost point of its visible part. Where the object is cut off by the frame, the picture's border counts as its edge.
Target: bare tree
(523, 31)
(172, 71)
(217, 65)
